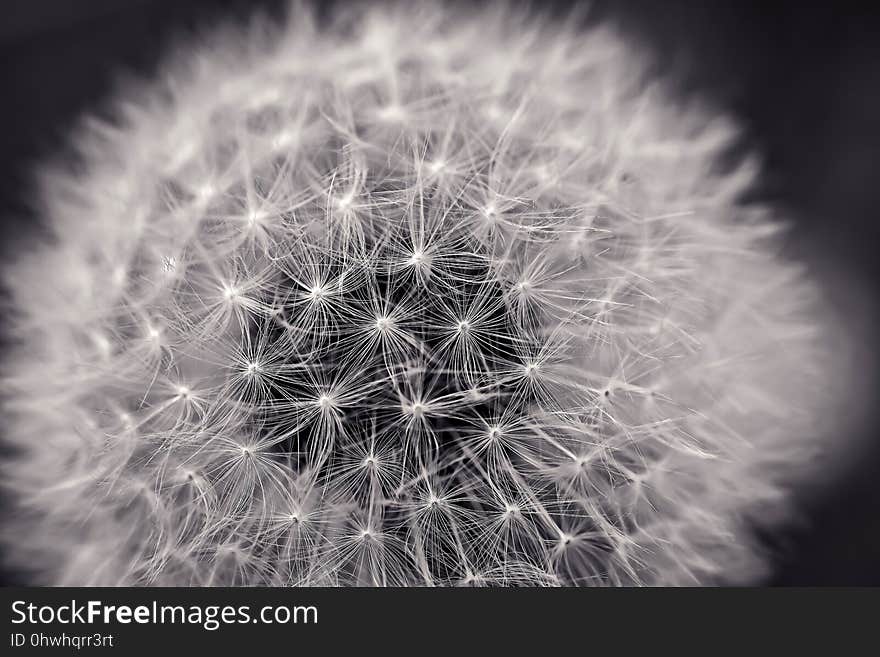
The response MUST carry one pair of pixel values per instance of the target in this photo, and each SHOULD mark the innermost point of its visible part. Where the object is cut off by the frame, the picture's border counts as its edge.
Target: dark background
(803, 79)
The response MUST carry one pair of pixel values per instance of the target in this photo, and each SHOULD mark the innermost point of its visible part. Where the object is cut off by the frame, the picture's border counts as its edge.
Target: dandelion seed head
(399, 307)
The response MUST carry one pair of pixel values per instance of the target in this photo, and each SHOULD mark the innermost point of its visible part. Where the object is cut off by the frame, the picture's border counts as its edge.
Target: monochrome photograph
(437, 294)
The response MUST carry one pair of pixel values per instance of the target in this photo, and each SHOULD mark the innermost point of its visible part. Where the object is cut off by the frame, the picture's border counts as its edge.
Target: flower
(416, 298)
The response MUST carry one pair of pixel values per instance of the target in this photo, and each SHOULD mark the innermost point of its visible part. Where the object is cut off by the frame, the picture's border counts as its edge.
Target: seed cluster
(415, 299)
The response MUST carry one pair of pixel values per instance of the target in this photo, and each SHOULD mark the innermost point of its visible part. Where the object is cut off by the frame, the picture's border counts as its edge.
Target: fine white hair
(418, 297)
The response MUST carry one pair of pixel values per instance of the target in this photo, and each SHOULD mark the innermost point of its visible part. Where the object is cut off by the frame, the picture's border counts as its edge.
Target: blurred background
(803, 79)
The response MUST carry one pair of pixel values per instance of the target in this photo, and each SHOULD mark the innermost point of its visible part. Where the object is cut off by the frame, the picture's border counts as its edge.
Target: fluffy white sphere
(418, 298)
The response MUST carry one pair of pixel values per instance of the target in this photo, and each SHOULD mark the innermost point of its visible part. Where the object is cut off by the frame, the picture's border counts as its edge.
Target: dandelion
(422, 298)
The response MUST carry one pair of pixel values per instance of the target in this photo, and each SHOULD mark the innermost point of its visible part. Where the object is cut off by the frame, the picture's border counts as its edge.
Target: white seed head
(606, 337)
